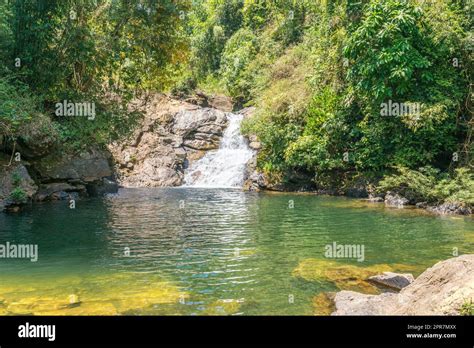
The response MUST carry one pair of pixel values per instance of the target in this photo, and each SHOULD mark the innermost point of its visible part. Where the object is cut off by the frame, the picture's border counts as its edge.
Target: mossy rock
(323, 303)
(344, 276)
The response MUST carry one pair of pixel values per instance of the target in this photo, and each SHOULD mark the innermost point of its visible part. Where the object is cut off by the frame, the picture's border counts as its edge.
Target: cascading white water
(224, 167)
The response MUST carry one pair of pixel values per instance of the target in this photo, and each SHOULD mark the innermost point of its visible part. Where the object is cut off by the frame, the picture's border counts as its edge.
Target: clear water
(205, 251)
(224, 167)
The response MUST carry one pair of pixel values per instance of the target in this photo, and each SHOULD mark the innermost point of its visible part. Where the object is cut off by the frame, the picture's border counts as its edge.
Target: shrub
(18, 196)
(238, 53)
(467, 308)
(429, 185)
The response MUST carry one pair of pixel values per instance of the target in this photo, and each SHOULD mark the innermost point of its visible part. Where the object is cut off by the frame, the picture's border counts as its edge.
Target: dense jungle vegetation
(319, 73)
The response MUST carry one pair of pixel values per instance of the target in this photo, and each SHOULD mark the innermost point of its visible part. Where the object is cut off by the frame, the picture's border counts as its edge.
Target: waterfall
(225, 166)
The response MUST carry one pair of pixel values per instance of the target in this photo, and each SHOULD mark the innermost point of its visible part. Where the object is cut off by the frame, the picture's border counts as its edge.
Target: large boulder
(440, 290)
(392, 280)
(63, 176)
(89, 166)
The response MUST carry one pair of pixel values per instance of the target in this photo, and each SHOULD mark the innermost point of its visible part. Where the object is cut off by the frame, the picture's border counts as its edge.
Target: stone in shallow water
(344, 276)
(392, 280)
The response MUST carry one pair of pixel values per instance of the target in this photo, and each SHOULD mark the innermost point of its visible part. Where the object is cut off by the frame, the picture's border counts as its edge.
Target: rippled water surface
(190, 251)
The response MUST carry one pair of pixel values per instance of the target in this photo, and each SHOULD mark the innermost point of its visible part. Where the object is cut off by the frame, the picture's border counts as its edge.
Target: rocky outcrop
(219, 102)
(440, 290)
(64, 176)
(392, 280)
(172, 134)
(16, 186)
(451, 208)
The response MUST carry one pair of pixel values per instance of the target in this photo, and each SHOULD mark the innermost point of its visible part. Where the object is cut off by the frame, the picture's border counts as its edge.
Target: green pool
(189, 251)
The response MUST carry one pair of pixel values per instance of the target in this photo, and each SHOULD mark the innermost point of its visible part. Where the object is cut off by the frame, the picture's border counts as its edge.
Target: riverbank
(447, 288)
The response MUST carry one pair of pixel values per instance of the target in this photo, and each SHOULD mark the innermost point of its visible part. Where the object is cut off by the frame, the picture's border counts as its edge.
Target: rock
(395, 200)
(58, 191)
(87, 166)
(392, 280)
(173, 134)
(354, 303)
(375, 198)
(451, 208)
(253, 179)
(248, 111)
(421, 205)
(221, 102)
(344, 276)
(102, 187)
(440, 290)
(255, 145)
(16, 185)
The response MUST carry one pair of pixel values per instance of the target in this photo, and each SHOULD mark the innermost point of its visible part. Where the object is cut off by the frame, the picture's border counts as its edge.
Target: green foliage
(356, 56)
(429, 185)
(17, 107)
(16, 179)
(213, 22)
(96, 51)
(18, 196)
(467, 308)
(239, 51)
(318, 73)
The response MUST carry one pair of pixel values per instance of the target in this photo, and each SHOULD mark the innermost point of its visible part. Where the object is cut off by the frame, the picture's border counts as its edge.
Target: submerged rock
(344, 276)
(440, 290)
(111, 294)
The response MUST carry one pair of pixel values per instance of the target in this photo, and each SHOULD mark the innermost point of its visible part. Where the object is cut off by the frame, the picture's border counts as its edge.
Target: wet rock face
(173, 133)
(440, 290)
